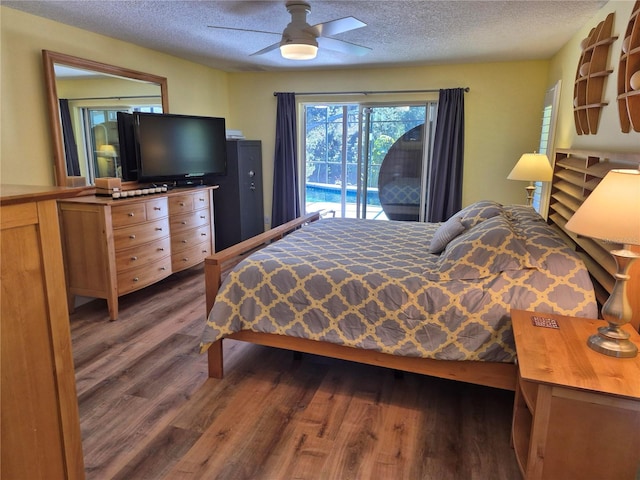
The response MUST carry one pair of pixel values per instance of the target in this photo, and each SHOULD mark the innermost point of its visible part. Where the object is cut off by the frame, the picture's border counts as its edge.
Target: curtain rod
(115, 98)
(372, 92)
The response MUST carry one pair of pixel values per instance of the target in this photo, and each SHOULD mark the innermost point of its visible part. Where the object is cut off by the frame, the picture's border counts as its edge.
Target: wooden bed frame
(493, 374)
(593, 165)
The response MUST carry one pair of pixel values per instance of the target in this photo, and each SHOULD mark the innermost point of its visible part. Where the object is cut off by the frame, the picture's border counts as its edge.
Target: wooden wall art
(629, 74)
(590, 77)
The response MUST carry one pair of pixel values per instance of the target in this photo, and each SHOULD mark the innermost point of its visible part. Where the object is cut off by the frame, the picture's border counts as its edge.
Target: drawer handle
(182, 204)
(185, 259)
(134, 258)
(204, 251)
(163, 268)
(202, 216)
(131, 214)
(183, 223)
(132, 237)
(157, 208)
(158, 229)
(135, 279)
(203, 234)
(201, 199)
(184, 241)
(161, 249)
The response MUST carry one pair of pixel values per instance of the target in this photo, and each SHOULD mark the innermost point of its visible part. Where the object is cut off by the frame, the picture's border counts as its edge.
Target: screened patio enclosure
(367, 161)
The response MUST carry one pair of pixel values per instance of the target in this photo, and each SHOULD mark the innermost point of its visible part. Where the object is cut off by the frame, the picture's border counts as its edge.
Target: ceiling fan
(300, 41)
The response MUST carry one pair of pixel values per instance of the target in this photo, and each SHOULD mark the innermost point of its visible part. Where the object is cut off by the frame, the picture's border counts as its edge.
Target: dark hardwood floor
(148, 410)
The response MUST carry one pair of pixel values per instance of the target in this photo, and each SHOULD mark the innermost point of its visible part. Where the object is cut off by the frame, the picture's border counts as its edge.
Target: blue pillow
(445, 233)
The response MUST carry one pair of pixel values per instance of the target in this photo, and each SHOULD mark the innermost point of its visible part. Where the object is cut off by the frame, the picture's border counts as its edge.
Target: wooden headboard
(575, 175)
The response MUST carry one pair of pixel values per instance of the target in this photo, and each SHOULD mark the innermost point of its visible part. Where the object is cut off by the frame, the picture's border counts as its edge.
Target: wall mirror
(84, 98)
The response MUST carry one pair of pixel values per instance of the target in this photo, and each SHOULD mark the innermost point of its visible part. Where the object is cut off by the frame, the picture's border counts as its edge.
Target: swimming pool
(322, 192)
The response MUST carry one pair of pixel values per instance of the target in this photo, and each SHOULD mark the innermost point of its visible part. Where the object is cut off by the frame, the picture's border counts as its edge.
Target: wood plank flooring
(148, 410)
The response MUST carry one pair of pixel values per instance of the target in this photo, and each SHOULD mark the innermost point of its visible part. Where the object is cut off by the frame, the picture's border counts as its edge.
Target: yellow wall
(564, 66)
(502, 112)
(105, 87)
(26, 152)
(502, 108)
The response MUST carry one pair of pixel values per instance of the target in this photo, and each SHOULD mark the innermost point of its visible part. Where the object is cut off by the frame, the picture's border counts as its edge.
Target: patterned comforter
(373, 285)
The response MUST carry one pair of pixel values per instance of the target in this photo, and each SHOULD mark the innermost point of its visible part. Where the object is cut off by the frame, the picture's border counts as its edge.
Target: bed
(426, 298)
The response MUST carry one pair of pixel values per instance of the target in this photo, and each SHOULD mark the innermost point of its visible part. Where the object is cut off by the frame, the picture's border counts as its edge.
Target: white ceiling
(400, 32)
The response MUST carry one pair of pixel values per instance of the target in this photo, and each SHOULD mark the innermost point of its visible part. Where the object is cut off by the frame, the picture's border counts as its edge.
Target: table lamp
(612, 213)
(107, 151)
(532, 167)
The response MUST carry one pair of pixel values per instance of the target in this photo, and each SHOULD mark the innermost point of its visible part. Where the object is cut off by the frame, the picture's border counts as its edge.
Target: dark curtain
(286, 203)
(70, 147)
(445, 179)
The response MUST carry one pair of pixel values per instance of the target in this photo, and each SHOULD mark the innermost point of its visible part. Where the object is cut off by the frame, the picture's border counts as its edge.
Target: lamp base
(531, 188)
(613, 342)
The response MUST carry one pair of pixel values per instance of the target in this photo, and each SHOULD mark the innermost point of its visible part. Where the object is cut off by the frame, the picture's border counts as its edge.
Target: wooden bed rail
(220, 262)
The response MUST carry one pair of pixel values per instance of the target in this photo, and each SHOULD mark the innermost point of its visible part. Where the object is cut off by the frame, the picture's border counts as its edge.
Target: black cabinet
(239, 212)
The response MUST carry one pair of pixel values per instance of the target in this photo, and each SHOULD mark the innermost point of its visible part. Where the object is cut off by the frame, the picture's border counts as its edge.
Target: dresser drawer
(129, 214)
(144, 275)
(181, 203)
(187, 221)
(188, 238)
(200, 200)
(138, 234)
(157, 208)
(190, 257)
(142, 254)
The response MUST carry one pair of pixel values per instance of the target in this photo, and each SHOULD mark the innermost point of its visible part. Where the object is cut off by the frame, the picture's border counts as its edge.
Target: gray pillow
(445, 233)
(478, 212)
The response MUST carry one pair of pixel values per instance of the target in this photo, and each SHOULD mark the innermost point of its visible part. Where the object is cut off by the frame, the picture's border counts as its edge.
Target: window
(547, 134)
(101, 140)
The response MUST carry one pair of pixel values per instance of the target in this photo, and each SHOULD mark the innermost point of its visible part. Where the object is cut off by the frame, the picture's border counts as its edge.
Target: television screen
(179, 148)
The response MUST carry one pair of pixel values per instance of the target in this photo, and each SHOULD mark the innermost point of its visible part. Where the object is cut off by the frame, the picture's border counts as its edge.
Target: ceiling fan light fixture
(298, 51)
(299, 40)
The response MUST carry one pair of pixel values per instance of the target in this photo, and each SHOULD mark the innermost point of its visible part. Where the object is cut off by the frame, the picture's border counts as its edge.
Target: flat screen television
(127, 146)
(179, 149)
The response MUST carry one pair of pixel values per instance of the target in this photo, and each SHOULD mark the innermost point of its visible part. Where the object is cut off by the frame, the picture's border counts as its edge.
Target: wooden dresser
(40, 423)
(114, 247)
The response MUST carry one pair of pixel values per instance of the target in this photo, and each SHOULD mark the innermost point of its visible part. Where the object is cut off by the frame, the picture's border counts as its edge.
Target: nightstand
(576, 412)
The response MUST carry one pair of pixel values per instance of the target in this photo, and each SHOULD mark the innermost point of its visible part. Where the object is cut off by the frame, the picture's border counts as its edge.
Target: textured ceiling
(399, 32)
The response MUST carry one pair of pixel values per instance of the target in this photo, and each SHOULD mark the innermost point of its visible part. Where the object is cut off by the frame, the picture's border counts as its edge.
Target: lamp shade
(532, 167)
(303, 50)
(612, 211)
(107, 151)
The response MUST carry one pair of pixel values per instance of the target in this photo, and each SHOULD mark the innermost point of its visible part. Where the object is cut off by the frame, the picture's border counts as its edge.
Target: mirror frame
(50, 59)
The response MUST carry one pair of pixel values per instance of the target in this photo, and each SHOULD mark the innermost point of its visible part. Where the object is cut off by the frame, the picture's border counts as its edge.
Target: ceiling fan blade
(342, 46)
(341, 25)
(266, 49)
(242, 30)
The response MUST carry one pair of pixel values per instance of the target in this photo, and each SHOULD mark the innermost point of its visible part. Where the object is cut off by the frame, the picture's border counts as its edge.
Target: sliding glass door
(368, 161)
(331, 158)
